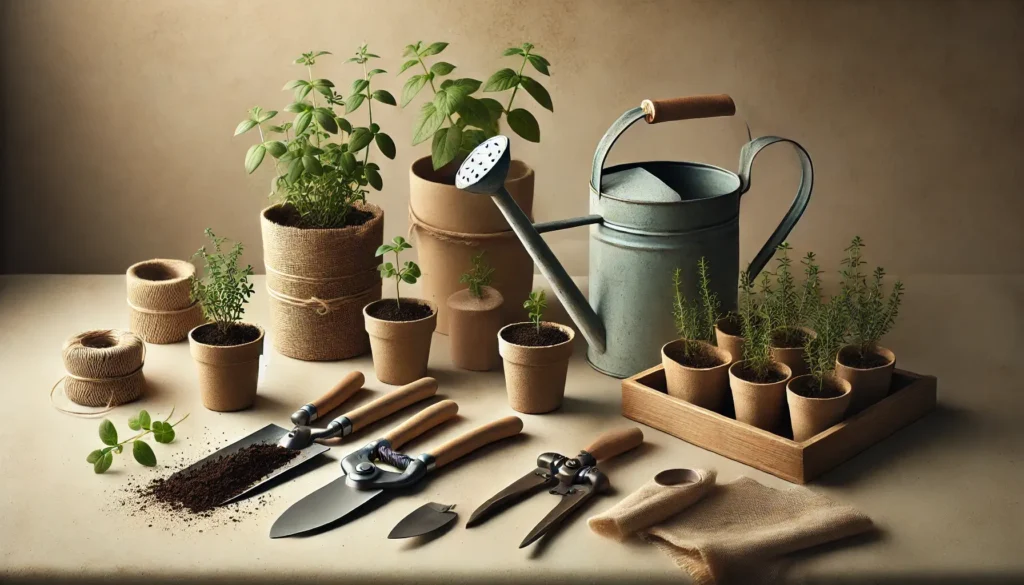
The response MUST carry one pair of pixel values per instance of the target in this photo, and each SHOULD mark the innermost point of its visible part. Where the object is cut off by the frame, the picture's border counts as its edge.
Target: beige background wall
(118, 116)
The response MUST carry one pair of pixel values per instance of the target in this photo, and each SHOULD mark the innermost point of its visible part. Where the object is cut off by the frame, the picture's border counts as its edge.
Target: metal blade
(328, 504)
(569, 503)
(423, 520)
(530, 483)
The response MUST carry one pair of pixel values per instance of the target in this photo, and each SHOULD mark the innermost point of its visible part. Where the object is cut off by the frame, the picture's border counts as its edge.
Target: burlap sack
(159, 303)
(810, 416)
(318, 281)
(759, 405)
(228, 374)
(535, 376)
(401, 349)
(104, 368)
(868, 385)
(473, 325)
(703, 387)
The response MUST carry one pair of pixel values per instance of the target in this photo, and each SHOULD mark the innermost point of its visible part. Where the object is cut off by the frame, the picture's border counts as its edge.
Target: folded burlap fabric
(729, 533)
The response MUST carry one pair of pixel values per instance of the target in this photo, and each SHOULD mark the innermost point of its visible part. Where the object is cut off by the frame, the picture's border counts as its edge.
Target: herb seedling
(871, 314)
(535, 305)
(454, 120)
(409, 272)
(162, 431)
(695, 320)
(478, 276)
(810, 293)
(830, 323)
(225, 288)
(756, 326)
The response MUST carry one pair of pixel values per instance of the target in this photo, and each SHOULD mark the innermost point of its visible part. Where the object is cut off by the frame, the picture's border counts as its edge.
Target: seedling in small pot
(695, 319)
(790, 308)
(409, 272)
(831, 324)
(756, 325)
(535, 305)
(536, 359)
(478, 276)
(872, 314)
(162, 431)
(223, 291)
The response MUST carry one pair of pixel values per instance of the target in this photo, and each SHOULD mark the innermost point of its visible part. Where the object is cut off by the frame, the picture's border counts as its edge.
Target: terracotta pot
(535, 376)
(473, 325)
(227, 373)
(401, 349)
(704, 387)
(160, 305)
(810, 416)
(759, 405)
(794, 357)
(867, 385)
(318, 281)
(729, 338)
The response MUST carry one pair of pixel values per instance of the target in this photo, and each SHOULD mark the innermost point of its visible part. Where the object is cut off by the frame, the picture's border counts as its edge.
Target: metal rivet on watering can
(652, 217)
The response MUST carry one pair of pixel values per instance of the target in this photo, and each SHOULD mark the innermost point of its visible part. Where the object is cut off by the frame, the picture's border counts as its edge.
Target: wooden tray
(644, 400)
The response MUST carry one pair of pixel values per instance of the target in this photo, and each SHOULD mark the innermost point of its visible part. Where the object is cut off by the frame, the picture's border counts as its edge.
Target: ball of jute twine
(159, 296)
(103, 369)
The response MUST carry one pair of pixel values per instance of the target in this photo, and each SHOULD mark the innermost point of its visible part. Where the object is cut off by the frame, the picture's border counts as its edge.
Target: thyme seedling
(756, 326)
(409, 272)
(478, 276)
(535, 305)
(871, 313)
(695, 320)
(162, 431)
(224, 289)
(830, 323)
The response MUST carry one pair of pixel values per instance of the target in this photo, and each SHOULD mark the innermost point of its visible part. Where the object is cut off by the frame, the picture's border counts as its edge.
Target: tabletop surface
(945, 492)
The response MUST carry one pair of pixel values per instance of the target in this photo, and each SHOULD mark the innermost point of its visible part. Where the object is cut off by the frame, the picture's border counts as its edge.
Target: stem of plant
(430, 80)
(369, 111)
(516, 88)
(312, 94)
(398, 281)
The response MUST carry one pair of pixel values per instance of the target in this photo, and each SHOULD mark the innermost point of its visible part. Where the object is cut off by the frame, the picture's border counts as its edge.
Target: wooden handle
(615, 442)
(422, 422)
(342, 391)
(392, 402)
(473, 440)
(687, 108)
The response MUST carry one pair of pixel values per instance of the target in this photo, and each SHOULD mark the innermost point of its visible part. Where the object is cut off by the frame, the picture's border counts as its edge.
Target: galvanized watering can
(648, 219)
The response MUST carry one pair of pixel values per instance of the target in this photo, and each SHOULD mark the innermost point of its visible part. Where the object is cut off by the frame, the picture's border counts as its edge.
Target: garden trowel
(427, 518)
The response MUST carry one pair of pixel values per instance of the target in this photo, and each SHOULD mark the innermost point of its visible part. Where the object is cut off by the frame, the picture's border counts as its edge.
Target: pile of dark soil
(808, 387)
(235, 334)
(771, 376)
(407, 310)
(852, 358)
(527, 334)
(697, 359)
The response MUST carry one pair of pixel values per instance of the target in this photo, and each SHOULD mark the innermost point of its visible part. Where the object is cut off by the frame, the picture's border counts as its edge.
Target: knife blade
(423, 520)
(326, 505)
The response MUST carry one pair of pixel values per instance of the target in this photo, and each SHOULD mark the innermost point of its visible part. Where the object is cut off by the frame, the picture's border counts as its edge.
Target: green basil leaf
(383, 249)
(302, 92)
(385, 144)
(433, 49)
(512, 51)
(373, 72)
(409, 278)
(538, 92)
(94, 456)
(446, 146)
(103, 463)
(524, 124)
(427, 123)
(325, 118)
(297, 107)
(359, 85)
(539, 63)
(494, 107)
(312, 165)
(475, 113)
(244, 127)
(294, 170)
(466, 84)
(412, 87)
(448, 101)
(302, 121)
(347, 162)
(353, 102)
(276, 148)
(108, 434)
(471, 139)
(384, 97)
(343, 125)
(374, 179)
(134, 424)
(502, 80)
(294, 84)
(442, 68)
(359, 139)
(253, 158)
(408, 64)
(143, 453)
(323, 83)
(266, 116)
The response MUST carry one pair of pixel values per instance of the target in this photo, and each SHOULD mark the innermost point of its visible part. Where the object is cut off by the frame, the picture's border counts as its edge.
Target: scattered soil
(407, 310)
(867, 360)
(236, 334)
(699, 359)
(808, 388)
(789, 338)
(772, 376)
(527, 334)
(288, 216)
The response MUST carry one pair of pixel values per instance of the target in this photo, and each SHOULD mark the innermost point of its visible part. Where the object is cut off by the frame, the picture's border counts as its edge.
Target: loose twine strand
(77, 341)
(320, 306)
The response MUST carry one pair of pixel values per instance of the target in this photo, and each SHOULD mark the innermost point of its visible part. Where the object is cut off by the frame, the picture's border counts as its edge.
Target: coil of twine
(159, 300)
(104, 369)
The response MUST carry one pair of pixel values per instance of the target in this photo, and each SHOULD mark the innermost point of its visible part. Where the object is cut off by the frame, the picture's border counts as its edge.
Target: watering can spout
(483, 172)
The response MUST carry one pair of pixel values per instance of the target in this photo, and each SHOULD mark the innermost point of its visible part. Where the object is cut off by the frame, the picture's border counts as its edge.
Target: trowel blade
(423, 520)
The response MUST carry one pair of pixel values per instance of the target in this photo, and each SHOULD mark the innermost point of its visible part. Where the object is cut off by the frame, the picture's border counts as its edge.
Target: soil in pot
(852, 358)
(235, 334)
(535, 374)
(700, 359)
(287, 215)
(760, 400)
(815, 407)
(407, 310)
(869, 373)
(527, 334)
(807, 387)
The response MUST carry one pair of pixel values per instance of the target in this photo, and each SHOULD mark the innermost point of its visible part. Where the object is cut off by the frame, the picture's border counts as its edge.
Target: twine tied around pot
(465, 239)
(160, 299)
(103, 369)
(320, 306)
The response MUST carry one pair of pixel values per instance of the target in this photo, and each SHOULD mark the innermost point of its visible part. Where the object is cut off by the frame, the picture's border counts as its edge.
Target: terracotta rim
(567, 330)
(841, 383)
(192, 339)
(721, 354)
(432, 306)
(779, 367)
(878, 350)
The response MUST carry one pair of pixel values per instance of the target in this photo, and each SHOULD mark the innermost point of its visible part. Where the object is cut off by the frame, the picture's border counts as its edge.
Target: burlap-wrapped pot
(757, 404)
(867, 385)
(451, 226)
(703, 387)
(318, 281)
(228, 374)
(473, 325)
(794, 357)
(810, 416)
(535, 376)
(401, 349)
(104, 367)
(159, 302)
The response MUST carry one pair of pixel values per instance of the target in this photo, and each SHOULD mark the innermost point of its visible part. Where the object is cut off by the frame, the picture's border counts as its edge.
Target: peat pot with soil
(320, 235)
(474, 319)
(400, 329)
(226, 350)
(790, 307)
(452, 226)
(536, 359)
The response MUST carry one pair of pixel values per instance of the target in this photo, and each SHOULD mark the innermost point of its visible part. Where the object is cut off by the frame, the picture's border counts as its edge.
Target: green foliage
(756, 327)
(871, 312)
(409, 272)
(163, 432)
(782, 303)
(810, 293)
(695, 319)
(478, 276)
(830, 324)
(535, 305)
(454, 120)
(225, 288)
(322, 162)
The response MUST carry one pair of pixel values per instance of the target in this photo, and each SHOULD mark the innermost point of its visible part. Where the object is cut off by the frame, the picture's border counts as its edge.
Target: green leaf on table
(524, 124)
(412, 87)
(407, 64)
(359, 139)
(433, 49)
(538, 92)
(144, 418)
(254, 157)
(384, 97)
(427, 123)
(442, 68)
(94, 456)
(134, 424)
(163, 432)
(539, 63)
(445, 148)
(385, 144)
(108, 434)
(502, 80)
(103, 463)
(245, 126)
(143, 453)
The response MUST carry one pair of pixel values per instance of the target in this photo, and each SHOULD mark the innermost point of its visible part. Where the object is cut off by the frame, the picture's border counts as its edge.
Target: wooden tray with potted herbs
(644, 399)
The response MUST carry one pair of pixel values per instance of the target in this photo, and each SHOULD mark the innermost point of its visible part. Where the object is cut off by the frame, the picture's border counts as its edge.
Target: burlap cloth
(728, 533)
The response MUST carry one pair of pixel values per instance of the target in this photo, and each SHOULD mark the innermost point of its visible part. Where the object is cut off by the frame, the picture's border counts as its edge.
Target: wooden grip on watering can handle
(688, 108)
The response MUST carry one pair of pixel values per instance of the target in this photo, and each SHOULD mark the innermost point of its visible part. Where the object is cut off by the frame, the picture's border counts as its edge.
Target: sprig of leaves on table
(454, 120)
(162, 431)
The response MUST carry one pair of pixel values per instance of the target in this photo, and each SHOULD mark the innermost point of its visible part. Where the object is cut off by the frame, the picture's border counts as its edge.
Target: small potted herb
(695, 370)
(226, 350)
(865, 364)
(791, 308)
(475, 317)
(820, 399)
(400, 329)
(758, 382)
(536, 358)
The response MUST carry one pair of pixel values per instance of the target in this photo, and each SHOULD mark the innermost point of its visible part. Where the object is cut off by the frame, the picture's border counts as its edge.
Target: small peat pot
(702, 379)
(788, 348)
(868, 372)
(159, 301)
(759, 402)
(536, 364)
(813, 409)
(473, 325)
(228, 362)
(400, 335)
(729, 336)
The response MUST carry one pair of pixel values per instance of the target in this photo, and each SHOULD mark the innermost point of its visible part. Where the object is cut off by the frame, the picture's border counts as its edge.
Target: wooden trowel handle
(392, 402)
(336, 396)
(422, 422)
(473, 440)
(687, 108)
(615, 442)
